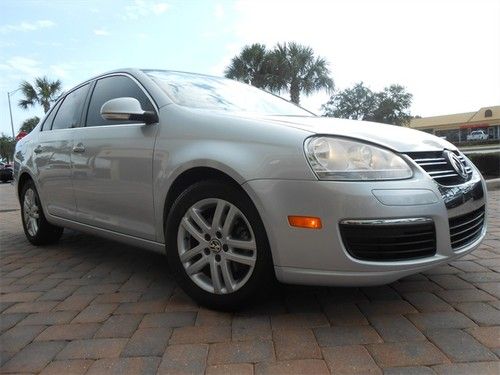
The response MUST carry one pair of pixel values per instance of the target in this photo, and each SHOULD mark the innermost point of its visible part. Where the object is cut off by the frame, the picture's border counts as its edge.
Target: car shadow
(94, 260)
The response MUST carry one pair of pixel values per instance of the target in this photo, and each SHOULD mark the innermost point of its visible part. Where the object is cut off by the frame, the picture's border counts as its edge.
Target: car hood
(397, 138)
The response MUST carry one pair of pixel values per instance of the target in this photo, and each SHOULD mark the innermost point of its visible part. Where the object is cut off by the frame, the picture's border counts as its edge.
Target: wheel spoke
(226, 276)
(239, 244)
(34, 226)
(192, 230)
(216, 220)
(197, 266)
(198, 219)
(239, 258)
(214, 274)
(229, 220)
(29, 197)
(188, 254)
(26, 217)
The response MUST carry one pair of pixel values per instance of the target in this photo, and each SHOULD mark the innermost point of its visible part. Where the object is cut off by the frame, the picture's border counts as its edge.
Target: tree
(29, 124)
(44, 92)
(7, 147)
(250, 66)
(356, 103)
(393, 106)
(389, 106)
(295, 68)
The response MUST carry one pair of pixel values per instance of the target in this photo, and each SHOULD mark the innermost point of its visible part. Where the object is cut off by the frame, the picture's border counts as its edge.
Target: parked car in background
(238, 186)
(477, 135)
(6, 172)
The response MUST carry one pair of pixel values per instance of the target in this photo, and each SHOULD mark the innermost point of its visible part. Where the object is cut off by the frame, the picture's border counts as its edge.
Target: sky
(445, 52)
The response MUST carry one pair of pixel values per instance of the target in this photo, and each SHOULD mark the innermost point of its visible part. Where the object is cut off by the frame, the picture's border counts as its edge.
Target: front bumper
(318, 257)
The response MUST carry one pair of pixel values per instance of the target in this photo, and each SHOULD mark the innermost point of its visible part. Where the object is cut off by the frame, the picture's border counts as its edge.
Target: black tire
(262, 276)
(46, 233)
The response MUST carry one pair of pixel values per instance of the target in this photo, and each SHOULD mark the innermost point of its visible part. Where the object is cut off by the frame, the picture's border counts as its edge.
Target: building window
(488, 113)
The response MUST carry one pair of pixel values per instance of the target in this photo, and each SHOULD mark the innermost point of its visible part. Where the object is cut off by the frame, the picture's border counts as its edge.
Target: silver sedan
(239, 187)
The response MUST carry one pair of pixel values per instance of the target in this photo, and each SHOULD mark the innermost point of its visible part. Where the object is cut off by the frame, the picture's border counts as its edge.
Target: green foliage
(357, 103)
(487, 163)
(250, 66)
(389, 106)
(288, 67)
(295, 68)
(43, 92)
(29, 124)
(7, 147)
(393, 105)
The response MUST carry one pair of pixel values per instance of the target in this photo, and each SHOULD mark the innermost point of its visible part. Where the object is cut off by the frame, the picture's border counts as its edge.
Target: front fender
(240, 148)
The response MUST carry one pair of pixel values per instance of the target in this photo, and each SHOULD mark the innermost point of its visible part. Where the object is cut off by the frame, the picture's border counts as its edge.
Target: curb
(493, 184)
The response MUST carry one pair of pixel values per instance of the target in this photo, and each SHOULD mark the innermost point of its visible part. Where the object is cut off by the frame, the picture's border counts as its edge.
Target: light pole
(10, 111)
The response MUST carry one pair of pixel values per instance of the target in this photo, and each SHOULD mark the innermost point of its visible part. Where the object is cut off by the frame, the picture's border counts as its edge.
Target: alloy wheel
(216, 246)
(31, 212)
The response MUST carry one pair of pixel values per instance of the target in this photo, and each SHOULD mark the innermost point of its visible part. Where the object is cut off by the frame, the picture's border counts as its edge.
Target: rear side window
(47, 124)
(111, 88)
(70, 111)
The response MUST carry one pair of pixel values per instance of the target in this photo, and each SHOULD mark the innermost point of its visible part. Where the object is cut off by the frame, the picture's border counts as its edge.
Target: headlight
(343, 159)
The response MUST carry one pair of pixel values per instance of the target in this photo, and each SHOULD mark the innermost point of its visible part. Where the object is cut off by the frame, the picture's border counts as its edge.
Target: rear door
(52, 154)
(113, 168)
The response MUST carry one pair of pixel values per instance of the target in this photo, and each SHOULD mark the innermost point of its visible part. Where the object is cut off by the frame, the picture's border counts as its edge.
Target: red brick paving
(91, 306)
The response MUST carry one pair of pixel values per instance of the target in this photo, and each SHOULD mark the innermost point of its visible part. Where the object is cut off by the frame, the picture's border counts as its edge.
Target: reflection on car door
(112, 171)
(52, 154)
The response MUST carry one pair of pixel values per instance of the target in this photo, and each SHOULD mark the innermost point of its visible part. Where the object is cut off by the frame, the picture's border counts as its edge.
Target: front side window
(70, 110)
(47, 123)
(111, 88)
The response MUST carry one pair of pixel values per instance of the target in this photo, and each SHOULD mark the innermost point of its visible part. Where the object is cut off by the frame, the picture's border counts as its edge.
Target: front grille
(389, 242)
(439, 168)
(465, 229)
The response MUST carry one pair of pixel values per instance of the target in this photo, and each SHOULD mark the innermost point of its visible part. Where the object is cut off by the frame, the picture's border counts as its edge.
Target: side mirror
(127, 109)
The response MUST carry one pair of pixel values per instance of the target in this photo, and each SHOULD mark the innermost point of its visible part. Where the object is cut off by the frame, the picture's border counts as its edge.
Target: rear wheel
(216, 245)
(36, 227)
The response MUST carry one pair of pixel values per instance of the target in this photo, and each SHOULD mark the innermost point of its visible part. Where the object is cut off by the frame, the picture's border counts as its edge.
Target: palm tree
(297, 69)
(250, 66)
(44, 92)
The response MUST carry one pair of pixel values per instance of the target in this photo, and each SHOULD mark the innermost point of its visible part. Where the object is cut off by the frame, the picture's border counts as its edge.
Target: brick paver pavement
(87, 305)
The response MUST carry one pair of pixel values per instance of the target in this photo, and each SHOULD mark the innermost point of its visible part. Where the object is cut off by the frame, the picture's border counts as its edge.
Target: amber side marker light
(308, 222)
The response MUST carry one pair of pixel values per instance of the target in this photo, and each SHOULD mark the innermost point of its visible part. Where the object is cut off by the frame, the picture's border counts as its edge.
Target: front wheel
(37, 229)
(217, 246)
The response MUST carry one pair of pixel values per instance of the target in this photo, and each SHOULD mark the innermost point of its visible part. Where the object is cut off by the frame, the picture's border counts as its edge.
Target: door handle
(38, 149)
(79, 148)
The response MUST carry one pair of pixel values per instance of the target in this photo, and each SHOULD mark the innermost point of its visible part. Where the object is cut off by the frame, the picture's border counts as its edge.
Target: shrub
(487, 163)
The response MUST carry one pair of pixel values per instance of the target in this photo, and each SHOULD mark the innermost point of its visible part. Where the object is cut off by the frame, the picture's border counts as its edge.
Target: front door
(113, 165)
(52, 154)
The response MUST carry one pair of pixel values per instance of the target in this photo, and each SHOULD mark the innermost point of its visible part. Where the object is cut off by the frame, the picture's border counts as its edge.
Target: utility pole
(10, 111)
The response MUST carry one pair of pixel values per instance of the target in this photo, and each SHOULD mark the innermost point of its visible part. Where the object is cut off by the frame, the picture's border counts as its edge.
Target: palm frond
(28, 91)
(24, 104)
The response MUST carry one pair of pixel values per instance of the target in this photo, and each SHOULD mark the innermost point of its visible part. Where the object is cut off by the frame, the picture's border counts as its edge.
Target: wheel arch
(202, 173)
(23, 178)
(189, 177)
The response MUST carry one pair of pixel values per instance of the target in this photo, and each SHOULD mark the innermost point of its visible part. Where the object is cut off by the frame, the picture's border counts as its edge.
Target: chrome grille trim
(437, 166)
(406, 220)
(466, 228)
(480, 216)
(473, 234)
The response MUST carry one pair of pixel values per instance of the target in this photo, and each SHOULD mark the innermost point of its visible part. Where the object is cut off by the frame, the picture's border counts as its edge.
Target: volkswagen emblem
(456, 163)
(214, 245)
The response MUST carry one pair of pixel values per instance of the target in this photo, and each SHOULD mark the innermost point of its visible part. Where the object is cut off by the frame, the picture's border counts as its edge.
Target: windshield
(207, 92)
